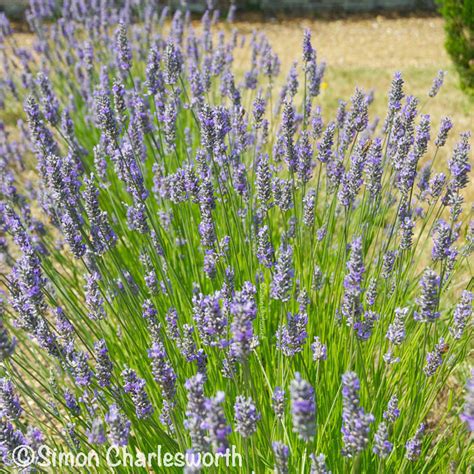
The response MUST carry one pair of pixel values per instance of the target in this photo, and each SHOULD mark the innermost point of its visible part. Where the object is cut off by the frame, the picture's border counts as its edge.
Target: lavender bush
(197, 258)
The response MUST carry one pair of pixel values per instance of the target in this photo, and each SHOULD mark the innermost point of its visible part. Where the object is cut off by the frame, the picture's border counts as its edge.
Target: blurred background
(15, 8)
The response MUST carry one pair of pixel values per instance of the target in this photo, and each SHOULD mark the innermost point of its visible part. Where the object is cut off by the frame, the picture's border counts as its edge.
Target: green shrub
(459, 16)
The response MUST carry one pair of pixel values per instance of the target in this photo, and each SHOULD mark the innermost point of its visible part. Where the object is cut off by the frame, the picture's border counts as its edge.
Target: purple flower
(196, 413)
(281, 454)
(462, 314)
(9, 440)
(118, 90)
(124, 54)
(102, 235)
(246, 416)
(371, 294)
(105, 117)
(355, 422)
(104, 365)
(468, 414)
(288, 128)
(364, 327)
(434, 359)
(258, 110)
(373, 168)
(10, 407)
(309, 204)
(265, 250)
(422, 136)
(216, 423)
(396, 331)
(80, 368)
(72, 235)
(96, 433)
(442, 241)
(318, 464)
(210, 320)
(392, 412)
(413, 445)
(437, 83)
(162, 370)
(305, 154)
(406, 227)
(278, 402)
(71, 403)
(436, 185)
(382, 446)
(283, 275)
(231, 13)
(154, 75)
(319, 350)
(244, 311)
(48, 100)
(428, 302)
(135, 386)
(317, 123)
(396, 93)
(326, 143)
(351, 305)
(292, 336)
(445, 127)
(308, 51)
(459, 163)
(94, 299)
(388, 263)
(173, 63)
(7, 344)
(118, 426)
(303, 408)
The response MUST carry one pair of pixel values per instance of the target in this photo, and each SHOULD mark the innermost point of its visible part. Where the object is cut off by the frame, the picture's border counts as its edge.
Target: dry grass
(366, 53)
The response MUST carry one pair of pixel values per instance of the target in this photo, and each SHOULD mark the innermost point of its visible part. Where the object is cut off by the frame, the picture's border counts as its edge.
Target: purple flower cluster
(303, 408)
(355, 422)
(171, 202)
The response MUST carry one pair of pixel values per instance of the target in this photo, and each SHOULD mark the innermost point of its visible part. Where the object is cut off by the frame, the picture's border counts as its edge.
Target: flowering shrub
(196, 259)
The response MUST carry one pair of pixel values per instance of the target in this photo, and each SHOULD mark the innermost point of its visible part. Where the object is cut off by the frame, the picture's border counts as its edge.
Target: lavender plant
(196, 255)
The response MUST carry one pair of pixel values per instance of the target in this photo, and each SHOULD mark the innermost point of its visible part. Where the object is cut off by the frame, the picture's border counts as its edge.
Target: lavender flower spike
(319, 350)
(392, 412)
(462, 314)
(468, 413)
(282, 279)
(135, 386)
(246, 416)
(355, 422)
(216, 423)
(413, 445)
(437, 83)
(303, 408)
(428, 302)
(196, 413)
(124, 55)
(382, 446)
(119, 426)
(278, 402)
(434, 359)
(318, 464)
(351, 305)
(10, 407)
(281, 453)
(104, 364)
